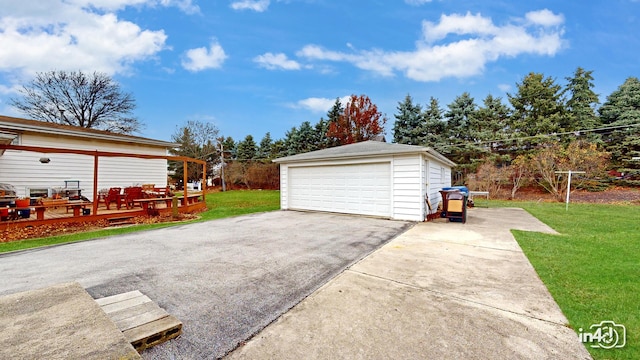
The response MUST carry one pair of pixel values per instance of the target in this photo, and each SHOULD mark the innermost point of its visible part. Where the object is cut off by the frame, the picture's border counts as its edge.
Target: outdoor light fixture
(45, 160)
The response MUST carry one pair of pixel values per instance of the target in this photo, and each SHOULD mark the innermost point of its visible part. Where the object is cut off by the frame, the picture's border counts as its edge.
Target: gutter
(119, 138)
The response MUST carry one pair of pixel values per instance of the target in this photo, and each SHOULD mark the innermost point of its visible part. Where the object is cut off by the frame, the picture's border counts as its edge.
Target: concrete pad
(59, 322)
(439, 290)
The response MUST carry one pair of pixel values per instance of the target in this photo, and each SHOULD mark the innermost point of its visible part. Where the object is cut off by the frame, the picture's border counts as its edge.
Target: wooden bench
(191, 198)
(151, 202)
(76, 206)
(142, 321)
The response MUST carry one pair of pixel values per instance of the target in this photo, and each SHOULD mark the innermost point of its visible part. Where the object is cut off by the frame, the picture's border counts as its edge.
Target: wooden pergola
(96, 154)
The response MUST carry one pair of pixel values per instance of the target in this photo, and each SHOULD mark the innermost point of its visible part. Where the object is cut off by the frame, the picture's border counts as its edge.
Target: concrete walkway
(440, 290)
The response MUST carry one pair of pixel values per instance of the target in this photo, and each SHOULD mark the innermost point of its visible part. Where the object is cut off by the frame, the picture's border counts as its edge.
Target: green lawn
(219, 205)
(593, 268)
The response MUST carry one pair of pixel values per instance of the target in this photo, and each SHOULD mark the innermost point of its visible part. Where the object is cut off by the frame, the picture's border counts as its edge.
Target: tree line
(541, 122)
(542, 127)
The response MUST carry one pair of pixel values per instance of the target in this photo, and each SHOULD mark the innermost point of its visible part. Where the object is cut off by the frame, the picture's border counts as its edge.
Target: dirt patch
(71, 227)
(615, 195)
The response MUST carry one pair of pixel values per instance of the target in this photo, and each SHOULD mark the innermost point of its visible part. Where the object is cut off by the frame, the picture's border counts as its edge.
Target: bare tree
(197, 140)
(75, 98)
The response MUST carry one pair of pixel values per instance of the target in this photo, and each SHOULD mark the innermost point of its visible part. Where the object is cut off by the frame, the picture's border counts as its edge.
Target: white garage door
(353, 189)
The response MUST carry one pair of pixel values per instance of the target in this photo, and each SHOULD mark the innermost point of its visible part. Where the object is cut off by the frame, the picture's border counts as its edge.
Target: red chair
(132, 193)
(113, 196)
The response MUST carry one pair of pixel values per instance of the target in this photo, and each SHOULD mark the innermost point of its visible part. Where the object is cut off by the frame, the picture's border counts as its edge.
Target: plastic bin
(24, 213)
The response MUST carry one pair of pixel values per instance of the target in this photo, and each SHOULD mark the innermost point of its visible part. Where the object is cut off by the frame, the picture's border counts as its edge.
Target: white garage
(367, 178)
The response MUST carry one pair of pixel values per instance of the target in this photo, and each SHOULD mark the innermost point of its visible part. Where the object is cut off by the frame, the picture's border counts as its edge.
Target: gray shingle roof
(363, 149)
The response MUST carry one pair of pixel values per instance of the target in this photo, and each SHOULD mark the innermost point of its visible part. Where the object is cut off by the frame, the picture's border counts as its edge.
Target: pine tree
(490, 122)
(307, 138)
(406, 129)
(247, 149)
(621, 108)
(265, 151)
(320, 130)
(538, 110)
(582, 102)
(291, 142)
(460, 137)
(433, 127)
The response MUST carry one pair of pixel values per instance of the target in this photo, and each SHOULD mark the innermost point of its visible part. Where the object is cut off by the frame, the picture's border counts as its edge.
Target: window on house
(442, 175)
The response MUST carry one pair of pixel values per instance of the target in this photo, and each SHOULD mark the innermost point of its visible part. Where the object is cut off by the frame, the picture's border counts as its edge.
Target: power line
(574, 132)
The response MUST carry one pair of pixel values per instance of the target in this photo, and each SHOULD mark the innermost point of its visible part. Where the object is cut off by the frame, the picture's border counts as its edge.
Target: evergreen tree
(406, 129)
(622, 107)
(460, 137)
(230, 148)
(278, 149)
(307, 138)
(433, 127)
(247, 149)
(320, 130)
(538, 110)
(582, 102)
(265, 151)
(292, 143)
(490, 122)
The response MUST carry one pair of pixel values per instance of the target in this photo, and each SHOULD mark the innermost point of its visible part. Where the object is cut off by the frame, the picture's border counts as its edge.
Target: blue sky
(257, 66)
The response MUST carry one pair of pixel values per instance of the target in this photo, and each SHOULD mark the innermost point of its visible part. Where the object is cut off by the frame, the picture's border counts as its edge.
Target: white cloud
(255, 5)
(478, 41)
(202, 58)
(544, 17)
(75, 35)
(273, 61)
(319, 105)
(458, 24)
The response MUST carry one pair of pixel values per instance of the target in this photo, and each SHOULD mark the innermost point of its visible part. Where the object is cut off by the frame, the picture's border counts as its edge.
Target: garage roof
(363, 149)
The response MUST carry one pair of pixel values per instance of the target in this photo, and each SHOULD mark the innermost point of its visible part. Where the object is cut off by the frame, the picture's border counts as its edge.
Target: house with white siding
(367, 178)
(33, 171)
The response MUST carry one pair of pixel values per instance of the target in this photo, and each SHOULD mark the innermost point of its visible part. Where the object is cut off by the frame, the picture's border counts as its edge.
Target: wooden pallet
(141, 320)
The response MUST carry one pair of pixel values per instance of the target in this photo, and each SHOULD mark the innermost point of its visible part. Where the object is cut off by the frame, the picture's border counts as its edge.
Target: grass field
(219, 205)
(593, 268)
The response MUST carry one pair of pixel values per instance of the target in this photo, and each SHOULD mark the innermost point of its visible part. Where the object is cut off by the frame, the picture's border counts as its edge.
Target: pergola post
(95, 184)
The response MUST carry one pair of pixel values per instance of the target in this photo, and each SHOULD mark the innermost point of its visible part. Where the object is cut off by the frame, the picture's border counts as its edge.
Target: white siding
(284, 186)
(23, 169)
(439, 177)
(407, 188)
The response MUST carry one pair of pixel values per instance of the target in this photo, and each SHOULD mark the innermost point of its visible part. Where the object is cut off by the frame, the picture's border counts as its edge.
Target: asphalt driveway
(225, 279)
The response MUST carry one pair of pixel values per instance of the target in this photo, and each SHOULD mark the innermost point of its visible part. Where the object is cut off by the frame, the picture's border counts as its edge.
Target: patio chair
(456, 207)
(113, 196)
(132, 193)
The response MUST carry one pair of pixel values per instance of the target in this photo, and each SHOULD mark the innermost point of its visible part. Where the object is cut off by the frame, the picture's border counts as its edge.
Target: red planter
(23, 203)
